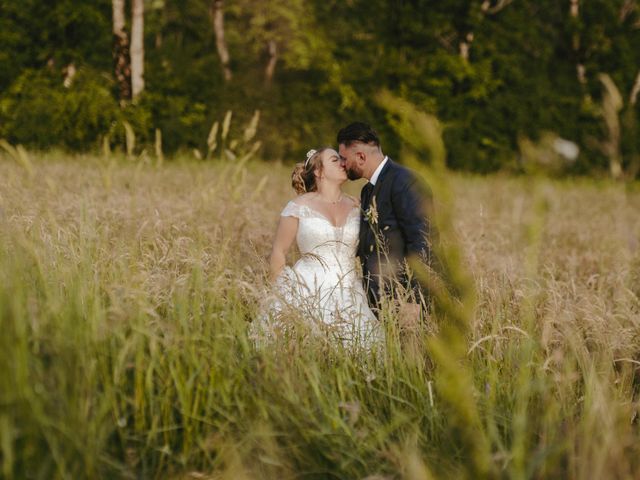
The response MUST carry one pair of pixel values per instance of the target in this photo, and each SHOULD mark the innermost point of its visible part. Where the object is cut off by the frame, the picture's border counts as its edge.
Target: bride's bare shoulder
(355, 201)
(304, 198)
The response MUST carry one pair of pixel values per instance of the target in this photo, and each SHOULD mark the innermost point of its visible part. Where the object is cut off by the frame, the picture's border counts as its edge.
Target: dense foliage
(497, 73)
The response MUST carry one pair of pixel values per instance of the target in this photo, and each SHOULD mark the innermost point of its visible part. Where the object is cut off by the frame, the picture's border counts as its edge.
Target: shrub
(39, 111)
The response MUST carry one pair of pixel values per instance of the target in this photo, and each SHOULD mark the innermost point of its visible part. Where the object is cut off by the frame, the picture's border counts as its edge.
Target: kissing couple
(386, 227)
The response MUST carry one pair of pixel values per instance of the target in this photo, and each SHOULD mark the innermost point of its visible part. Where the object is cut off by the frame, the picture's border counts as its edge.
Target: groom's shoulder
(401, 173)
(404, 178)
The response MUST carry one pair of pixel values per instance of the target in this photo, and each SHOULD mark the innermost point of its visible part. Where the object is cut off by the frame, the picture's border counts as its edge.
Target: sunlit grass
(126, 290)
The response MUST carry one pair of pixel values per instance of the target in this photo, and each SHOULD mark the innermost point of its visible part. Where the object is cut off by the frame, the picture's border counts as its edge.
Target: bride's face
(332, 168)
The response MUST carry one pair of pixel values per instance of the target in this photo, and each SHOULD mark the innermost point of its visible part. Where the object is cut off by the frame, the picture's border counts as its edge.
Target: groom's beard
(353, 174)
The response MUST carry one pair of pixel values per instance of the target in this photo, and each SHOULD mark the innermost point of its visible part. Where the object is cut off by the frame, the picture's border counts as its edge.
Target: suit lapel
(368, 194)
(365, 200)
(383, 173)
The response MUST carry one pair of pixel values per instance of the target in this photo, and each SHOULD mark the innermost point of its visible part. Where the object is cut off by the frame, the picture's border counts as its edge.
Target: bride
(323, 288)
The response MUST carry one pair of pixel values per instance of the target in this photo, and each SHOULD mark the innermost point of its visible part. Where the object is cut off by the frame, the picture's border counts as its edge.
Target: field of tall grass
(127, 290)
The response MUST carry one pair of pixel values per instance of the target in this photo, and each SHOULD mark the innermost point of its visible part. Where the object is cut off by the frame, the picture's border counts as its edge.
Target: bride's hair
(303, 178)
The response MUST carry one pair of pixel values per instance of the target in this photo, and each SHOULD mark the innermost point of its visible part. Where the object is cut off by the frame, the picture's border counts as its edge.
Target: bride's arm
(285, 235)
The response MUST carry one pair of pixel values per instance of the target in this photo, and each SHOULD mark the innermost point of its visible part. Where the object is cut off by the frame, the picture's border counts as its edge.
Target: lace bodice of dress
(318, 237)
(324, 284)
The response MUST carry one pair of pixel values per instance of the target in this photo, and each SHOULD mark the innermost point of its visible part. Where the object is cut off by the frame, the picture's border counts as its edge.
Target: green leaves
(491, 75)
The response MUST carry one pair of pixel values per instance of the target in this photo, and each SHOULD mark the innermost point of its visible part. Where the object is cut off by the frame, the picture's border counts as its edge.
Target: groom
(394, 226)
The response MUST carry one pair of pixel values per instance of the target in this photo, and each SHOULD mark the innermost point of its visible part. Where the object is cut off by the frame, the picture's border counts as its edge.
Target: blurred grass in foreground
(126, 291)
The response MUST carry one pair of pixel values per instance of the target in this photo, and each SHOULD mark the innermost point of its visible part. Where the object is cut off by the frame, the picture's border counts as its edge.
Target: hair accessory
(310, 154)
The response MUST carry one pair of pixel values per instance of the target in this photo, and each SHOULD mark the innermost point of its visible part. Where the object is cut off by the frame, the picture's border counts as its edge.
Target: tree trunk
(580, 69)
(628, 7)
(69, 73)
(216, 10)
(575, 8)
(271, 65)
(465, 46)
(632, 126)
(633, 98)
(612, 104)
(121, 66)
(137, 48)
(487, 6)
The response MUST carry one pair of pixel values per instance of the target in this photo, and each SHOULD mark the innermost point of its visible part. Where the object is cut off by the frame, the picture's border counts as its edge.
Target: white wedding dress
(324, 287)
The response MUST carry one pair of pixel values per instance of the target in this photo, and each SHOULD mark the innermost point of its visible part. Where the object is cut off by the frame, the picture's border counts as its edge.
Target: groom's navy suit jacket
(395, 228)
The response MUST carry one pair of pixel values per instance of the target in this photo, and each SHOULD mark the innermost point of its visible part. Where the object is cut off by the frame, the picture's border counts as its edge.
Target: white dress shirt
(376, 174)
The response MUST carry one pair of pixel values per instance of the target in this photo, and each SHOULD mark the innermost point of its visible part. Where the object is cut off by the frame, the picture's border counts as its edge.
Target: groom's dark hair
(358, 132)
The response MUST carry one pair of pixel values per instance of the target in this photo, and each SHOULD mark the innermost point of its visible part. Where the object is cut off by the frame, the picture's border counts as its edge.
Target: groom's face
(352, 161)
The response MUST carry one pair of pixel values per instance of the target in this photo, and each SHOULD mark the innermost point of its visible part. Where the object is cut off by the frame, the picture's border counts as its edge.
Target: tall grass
(126, 292)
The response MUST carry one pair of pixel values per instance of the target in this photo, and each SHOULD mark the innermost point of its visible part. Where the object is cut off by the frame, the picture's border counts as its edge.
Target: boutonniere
(371, 213)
